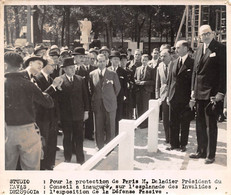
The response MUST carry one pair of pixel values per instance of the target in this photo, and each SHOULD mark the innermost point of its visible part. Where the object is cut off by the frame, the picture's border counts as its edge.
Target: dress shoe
(209, 160)
(183, 148)
(171, 148)
(197, 155)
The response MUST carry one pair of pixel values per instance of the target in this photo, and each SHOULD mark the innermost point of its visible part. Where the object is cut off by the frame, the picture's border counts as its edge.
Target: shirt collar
(184, 58)
(45, 74)
(29, 73)
(69, 78)
(103, 71)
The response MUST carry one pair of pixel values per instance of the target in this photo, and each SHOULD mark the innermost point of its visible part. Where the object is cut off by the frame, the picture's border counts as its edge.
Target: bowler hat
(188, 114)
(38, 48)
(115, 54)
(104, 48)
(33, 58)
(79, 51)
(68, 62)
(214, 109)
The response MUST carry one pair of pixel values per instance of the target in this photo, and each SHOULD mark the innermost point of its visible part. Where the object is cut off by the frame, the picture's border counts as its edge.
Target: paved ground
(163, 159)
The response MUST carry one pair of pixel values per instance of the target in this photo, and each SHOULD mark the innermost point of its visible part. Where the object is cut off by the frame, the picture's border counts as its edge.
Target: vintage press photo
(82, 77)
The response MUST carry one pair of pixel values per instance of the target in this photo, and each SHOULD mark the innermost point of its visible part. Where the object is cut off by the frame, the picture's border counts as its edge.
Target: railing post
(126, 146)
(153, 126)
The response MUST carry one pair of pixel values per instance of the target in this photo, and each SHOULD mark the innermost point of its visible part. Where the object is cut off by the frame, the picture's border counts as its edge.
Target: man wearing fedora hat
(79, 57)
(23, 139)
(105, 87)
(105, 51)
(54, 55)
(122, 74)
(74, 107)
(47, 118)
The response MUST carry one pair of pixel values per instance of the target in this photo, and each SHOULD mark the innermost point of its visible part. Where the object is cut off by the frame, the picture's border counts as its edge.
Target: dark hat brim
(77, 53)
(34, 58)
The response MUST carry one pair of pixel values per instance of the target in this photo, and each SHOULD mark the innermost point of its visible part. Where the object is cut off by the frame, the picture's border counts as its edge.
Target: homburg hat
(79, 51)
(34, 58)
(114, 54)
(67, 62)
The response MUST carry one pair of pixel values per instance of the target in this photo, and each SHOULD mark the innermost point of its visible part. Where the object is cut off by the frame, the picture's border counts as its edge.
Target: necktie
(142, 73)
(166, 71)
(101, 77)
(179, 65)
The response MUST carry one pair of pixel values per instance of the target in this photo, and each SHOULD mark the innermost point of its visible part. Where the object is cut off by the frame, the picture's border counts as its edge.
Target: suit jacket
(179, 86)
(209, 75)
(148, 78)
(73, 99)
(122, 74)
(107, 91)
(42, 113)
(20, 98)
(162, 81)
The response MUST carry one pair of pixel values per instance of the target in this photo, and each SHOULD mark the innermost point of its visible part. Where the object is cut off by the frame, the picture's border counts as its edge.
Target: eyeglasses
(205, 34)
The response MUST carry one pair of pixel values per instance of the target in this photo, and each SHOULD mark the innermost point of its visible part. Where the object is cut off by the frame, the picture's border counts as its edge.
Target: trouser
(48, 130)
(23, 141)
(206, 130)
(89, 126)
(165, 117)
(73, 134)
(142, 100)
(105, 123)
(178, 126)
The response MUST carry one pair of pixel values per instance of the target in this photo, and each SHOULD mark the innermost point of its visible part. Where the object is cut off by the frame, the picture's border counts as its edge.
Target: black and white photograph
(114, 97)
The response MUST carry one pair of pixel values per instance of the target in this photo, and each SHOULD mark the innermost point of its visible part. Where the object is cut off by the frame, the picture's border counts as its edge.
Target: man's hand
(85, 115)
(192, 95)
(167, 100)
(192, 103)
(219, 97)
(57, 82)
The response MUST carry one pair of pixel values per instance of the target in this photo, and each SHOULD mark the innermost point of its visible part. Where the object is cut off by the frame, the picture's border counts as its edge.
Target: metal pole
(199, 24)
(193, 26)
(187, 15)
(181, 24)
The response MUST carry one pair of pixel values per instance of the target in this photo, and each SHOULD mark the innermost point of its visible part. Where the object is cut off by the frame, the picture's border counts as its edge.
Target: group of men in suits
(99, 84)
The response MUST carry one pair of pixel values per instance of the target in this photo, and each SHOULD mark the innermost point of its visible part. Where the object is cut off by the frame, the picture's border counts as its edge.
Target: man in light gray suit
(105, 86)
(162, 75)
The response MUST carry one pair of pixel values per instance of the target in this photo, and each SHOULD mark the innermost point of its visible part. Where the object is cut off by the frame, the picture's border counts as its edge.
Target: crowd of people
(87, 93)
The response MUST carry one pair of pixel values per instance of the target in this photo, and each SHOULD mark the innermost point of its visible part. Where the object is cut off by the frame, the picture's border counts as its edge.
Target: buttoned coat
(209, 75)
(162, 81)
(107, 91)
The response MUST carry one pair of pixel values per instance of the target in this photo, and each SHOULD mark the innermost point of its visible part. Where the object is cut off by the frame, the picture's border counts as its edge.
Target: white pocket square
(212, 55)
(121, 77)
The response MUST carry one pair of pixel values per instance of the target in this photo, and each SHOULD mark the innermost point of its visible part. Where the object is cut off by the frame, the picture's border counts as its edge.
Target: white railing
(125, 140)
